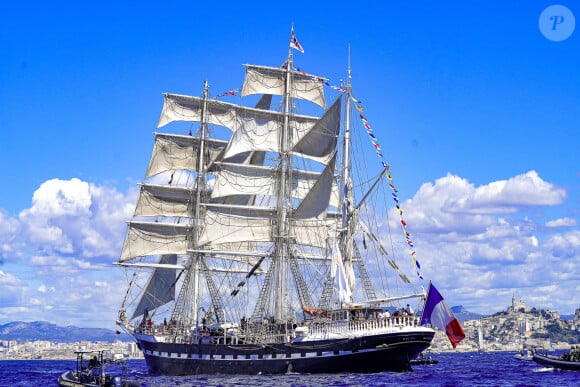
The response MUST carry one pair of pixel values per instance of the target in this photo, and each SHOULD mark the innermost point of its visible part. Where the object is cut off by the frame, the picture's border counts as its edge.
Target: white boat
(260, 241)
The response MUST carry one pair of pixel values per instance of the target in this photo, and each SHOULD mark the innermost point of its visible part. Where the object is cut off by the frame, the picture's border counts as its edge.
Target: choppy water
(454, 369)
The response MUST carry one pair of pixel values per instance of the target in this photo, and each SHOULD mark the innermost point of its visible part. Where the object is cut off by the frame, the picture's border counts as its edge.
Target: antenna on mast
(348, 72)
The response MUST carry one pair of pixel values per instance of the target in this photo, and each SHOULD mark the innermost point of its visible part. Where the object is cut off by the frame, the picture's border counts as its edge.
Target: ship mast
(187, 304)
(346, 167)
(282, 249)
(200, 184)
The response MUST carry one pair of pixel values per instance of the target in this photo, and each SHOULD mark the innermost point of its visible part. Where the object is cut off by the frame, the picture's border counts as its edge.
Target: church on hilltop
(518, 306)
(521, 307)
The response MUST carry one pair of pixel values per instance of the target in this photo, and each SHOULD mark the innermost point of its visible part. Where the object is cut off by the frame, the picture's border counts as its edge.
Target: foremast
(186, 308)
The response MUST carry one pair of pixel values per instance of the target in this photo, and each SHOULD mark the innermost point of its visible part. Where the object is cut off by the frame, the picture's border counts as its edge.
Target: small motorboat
(423, 359)
(567, 361)
(90, 371)
(526, 354)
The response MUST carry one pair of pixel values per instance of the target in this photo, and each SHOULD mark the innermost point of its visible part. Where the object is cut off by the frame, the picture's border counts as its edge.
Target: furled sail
(339, 275)
(272, 80)
(160, 289)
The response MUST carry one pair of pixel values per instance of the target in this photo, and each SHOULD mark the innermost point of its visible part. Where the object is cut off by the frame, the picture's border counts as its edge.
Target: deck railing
(320, 329)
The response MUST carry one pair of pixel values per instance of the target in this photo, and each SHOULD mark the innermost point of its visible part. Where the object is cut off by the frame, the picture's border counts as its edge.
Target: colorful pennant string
(233, 92)
(375, 142)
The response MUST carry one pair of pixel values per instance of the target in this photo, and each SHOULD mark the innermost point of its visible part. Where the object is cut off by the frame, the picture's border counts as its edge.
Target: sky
(477, 111)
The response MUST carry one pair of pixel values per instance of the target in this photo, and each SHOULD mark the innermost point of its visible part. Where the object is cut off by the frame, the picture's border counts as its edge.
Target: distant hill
(463, 314)
(41, 330)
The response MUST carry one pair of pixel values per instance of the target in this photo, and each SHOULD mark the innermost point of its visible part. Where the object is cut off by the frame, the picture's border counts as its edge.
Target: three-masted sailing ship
(257, 247)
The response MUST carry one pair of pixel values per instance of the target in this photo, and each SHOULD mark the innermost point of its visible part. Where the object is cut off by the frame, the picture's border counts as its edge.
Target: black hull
(386, 352)
(555, 362)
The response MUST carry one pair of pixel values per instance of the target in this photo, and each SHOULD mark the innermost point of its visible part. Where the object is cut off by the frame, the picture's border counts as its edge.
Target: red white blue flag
(439, 315)
(294, 42)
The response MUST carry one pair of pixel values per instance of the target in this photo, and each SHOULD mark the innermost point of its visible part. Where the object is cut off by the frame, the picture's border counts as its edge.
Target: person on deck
(94, 362)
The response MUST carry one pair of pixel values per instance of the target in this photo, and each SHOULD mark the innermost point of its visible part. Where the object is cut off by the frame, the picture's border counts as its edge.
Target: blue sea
(453, 369)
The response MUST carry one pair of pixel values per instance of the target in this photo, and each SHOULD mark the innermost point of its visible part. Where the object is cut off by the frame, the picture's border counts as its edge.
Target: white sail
(317, 200)
(178, 152)
(161, 200)
(313, 232)
(261, 132)
(320, 142)
(312, 138)
(150, 238)
(188, 108)
(223, 228)
(237, 179)
(272, 80)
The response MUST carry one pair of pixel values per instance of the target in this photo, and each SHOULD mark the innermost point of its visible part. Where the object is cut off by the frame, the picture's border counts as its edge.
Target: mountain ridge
(45, 331)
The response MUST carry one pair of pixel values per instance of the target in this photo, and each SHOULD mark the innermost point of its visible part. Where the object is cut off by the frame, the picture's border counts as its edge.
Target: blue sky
(477, 112)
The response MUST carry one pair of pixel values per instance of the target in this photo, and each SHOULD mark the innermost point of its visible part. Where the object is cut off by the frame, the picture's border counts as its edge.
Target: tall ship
(264, 240)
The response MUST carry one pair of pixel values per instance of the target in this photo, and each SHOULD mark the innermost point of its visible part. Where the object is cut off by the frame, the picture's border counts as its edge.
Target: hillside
(41, 330)
(463, 314)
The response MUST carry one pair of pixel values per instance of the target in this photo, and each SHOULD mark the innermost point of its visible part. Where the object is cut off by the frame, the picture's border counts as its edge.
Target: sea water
(453, 369)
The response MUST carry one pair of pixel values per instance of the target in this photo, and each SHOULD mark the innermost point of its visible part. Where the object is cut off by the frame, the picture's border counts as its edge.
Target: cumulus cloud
(13, 290)
(73, 217)
(453, 204)
(9, 228)
(476, 238)
(507, 196)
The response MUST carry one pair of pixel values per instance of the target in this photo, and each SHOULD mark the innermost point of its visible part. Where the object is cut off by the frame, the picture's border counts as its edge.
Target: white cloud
(73, 217)
(57, 197)
(44, 289)
(523, 190)
(562, 222)
(13, 290)
(452, 195)
(9, 229)
(475, 240)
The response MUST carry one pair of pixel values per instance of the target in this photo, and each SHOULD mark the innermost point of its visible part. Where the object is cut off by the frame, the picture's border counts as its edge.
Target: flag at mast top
(294, 42)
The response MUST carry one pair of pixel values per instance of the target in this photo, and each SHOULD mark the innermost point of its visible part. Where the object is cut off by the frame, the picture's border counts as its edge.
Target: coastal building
(518, 306)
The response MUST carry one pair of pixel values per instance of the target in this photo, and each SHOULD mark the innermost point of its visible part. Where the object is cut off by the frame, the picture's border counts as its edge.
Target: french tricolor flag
(439, 315)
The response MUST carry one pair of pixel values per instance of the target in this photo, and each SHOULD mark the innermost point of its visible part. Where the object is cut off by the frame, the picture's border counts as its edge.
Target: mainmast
(200, 184)
(282, 251)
